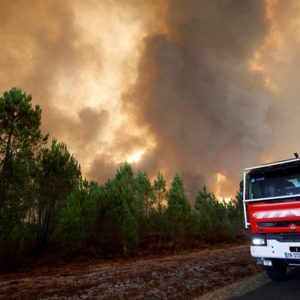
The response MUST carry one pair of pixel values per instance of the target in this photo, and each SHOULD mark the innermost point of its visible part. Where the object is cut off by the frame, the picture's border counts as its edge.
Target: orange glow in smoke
(136, 156)
(218, 190)
(273, 39)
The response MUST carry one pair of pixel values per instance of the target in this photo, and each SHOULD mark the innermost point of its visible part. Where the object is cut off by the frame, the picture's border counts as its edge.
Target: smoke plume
(202, 88)
(195, 91)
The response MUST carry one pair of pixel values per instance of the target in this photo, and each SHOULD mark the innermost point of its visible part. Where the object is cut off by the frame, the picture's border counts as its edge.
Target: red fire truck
(271, 201)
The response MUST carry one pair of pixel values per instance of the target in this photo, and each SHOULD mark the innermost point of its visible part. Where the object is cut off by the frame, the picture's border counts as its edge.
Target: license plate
(292, 255)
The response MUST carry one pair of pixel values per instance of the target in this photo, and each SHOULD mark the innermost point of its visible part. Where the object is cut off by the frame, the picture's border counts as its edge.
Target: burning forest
(201, 88)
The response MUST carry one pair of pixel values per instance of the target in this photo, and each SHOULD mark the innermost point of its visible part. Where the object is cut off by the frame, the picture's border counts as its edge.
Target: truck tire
(277, 271)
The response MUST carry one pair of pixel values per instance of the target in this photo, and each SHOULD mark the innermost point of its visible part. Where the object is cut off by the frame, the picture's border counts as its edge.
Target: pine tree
(20, 142)
(179, 210)
(58, 175)
(204, 207)
(143, 194)
(78, 214)
(20, 139)
(203, 198)
(178, 205)
(120, 215)
(160, 193)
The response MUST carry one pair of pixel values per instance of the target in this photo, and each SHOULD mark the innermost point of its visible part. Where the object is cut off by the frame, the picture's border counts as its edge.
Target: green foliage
(235, 213)
(156, 221)
(215, 218)
(120, 219)
(178, 205)
(129, 227)
(58, 174)
(19, 125)
(143, 196)
(45, 202)
(78, 215)
(160, 192)
(20, 141)
(178, 211)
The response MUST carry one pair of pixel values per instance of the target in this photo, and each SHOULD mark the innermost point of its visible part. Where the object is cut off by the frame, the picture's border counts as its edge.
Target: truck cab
(271, 203)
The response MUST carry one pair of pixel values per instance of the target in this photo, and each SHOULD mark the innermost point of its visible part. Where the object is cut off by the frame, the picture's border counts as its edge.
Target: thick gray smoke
(195, 91)
(41, 45)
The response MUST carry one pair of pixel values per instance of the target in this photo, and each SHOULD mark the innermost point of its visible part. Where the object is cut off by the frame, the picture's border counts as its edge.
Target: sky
(197, 87)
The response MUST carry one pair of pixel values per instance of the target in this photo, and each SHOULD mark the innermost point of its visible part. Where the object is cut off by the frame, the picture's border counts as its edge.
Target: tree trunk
(3, 173)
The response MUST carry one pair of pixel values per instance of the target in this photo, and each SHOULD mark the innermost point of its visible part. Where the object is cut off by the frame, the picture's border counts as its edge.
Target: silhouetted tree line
(45, 204)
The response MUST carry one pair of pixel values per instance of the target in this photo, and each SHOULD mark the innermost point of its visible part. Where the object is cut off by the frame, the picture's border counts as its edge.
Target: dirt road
(183, 276)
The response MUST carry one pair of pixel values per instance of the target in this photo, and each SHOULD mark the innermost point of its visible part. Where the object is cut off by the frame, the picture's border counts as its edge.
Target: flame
(136, 156)
(221, 181)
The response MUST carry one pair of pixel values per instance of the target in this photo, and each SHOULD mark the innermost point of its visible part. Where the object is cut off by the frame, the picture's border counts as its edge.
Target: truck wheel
(277, 271)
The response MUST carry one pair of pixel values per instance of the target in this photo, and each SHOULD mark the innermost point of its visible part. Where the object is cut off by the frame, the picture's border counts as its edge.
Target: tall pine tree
(179, 210)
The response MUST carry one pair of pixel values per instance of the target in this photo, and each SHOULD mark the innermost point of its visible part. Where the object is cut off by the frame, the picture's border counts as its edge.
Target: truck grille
(284, 237)
(281, 224)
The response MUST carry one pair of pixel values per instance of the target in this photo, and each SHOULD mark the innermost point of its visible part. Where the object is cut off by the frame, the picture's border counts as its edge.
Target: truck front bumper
(276, 249)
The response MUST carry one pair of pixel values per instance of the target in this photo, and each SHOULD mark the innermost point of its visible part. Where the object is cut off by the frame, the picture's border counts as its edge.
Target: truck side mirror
(242, 188)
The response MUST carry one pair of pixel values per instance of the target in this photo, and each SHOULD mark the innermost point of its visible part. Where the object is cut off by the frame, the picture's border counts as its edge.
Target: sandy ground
(184, 276)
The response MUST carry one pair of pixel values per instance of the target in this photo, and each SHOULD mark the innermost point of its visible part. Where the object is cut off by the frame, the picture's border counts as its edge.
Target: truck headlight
(258, 240)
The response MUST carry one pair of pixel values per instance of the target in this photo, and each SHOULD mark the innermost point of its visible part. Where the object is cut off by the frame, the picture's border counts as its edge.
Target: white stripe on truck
(282, 213)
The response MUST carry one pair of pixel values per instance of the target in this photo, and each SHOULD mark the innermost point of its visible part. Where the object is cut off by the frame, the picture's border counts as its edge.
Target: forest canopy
(45, 203)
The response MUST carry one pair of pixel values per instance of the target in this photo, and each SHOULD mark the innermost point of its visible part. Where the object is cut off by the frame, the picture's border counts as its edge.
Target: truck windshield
(274, 183)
